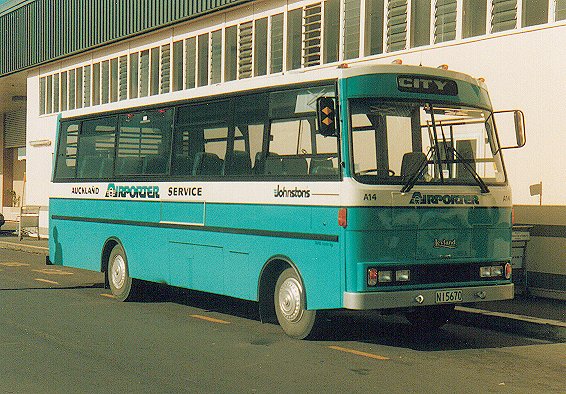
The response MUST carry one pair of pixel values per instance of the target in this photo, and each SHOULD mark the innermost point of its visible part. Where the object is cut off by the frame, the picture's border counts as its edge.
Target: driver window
(380, 142)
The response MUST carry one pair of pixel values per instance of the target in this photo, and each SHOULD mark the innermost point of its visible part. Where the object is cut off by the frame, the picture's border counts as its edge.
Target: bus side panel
(225, 257)
(228, 263)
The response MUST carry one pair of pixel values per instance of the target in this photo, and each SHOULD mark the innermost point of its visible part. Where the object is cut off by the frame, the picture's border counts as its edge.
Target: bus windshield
(423, 143)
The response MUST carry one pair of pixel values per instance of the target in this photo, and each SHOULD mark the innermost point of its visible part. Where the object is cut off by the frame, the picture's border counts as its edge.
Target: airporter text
(446, 199)
(132, 191)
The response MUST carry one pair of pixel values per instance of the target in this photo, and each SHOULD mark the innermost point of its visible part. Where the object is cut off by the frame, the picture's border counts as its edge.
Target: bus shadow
(157, 292)
(395, 331)
(365, 327)
(72, 287)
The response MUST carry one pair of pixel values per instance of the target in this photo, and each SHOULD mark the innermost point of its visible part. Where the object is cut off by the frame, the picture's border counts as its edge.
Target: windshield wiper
(447, 149)
(471, 170)
(417, 174)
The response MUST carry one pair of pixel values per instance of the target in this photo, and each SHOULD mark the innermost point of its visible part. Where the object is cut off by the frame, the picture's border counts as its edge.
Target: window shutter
(123, 78)
(352, 22)
(312, 22)
(503, 15)
(560, 10)
(396, 25)
(165, 69)
(15, 129)
(245, 36)
(445, 20)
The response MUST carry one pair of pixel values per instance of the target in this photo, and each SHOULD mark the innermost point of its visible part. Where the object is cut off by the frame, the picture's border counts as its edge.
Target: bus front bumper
(410, 298)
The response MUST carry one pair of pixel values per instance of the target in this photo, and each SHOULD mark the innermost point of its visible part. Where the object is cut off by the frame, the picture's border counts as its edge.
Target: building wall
(522, 69)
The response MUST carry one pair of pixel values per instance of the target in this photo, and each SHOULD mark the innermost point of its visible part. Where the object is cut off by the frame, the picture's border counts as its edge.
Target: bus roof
(407, 69)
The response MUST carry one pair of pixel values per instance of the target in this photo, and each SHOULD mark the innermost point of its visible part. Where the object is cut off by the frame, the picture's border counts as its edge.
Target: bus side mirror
(520, 128)
(326, 116)
(503, 121)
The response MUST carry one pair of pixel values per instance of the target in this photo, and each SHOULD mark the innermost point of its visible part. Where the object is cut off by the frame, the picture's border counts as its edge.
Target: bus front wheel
(289, 299)
(121, 284)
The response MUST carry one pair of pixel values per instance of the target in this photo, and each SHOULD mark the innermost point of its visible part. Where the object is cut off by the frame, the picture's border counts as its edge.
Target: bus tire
(289, 300)
(121, 284)
(429, 318)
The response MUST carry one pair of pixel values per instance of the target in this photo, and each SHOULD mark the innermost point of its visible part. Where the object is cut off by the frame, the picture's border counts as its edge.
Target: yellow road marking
(46, 281)
(14, 264)
(53, 271)
(358, 353)
(107, 295)
(210, 319)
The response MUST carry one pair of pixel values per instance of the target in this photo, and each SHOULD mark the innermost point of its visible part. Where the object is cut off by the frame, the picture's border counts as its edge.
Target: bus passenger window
(300, 151)
(144, 143)
(96, 146)
(67, 159)
(201, 139)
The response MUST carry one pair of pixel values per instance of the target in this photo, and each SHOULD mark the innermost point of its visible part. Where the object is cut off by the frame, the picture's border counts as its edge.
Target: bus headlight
(493, 271)
(496, 270)
(385, 276)
(402, 275)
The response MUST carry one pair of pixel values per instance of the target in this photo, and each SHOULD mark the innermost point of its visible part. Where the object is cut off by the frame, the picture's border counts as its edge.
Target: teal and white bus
(370, 188)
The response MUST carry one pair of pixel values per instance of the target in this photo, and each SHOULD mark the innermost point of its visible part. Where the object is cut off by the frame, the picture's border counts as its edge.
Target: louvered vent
(396, 25)
(445, 20)
(503, 15)
(312, 28)
(351, 29)
(165, 85)
(123, 78)
(15, 129)
(245, 36)
(560, 10)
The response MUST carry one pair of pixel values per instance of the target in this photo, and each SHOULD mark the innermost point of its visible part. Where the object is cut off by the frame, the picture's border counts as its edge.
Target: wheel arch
(269, 274)
(105, 256)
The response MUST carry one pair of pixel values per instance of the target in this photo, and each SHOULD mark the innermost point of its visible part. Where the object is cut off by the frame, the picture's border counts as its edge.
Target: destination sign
(427, 84)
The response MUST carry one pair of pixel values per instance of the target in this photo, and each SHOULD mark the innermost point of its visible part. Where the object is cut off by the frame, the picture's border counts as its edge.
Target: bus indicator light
(508, 271)
(343, 217)
(372, 277)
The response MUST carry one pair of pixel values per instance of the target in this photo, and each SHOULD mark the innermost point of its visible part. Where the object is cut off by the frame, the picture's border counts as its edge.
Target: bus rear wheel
(121, 284)
(289, 299)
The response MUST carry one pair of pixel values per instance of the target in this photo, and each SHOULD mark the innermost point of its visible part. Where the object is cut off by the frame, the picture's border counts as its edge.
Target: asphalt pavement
(540, 317)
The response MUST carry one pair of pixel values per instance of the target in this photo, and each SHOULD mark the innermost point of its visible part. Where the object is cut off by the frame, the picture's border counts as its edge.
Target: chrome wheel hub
(118, 272)
(290, 300)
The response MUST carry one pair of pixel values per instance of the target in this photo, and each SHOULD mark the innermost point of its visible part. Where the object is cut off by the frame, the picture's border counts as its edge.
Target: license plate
(448, 296)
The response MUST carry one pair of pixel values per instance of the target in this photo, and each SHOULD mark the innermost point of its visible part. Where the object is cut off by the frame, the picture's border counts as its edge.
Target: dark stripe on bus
(225, 230)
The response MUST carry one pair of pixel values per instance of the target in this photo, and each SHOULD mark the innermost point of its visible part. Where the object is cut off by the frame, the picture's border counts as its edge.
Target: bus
(364, 188)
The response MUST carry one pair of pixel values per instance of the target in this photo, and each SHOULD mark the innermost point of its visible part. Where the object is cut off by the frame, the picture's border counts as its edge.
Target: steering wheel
(365, 172)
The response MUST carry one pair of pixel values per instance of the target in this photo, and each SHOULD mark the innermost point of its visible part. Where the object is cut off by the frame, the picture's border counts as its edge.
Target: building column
(2, 172)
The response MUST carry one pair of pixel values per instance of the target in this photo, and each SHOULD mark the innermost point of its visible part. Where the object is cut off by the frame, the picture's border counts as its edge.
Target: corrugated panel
(43, 30)
(15, 129)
